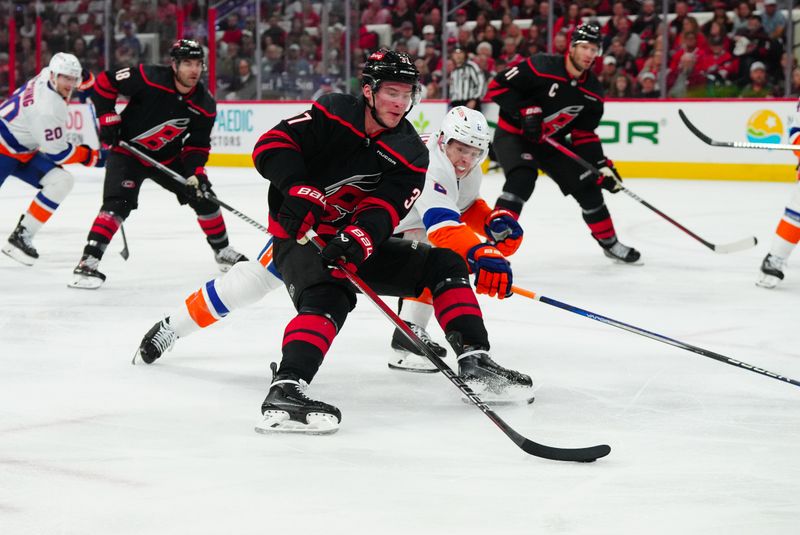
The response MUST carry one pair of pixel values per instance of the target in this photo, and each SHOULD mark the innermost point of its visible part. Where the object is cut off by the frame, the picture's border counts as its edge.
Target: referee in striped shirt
(467, 84)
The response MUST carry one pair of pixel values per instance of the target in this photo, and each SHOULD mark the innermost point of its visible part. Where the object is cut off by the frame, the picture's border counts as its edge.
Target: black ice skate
(771, 271)
(488, 379)
(86, 275)
(620, 252)
(287, 409)
(410, 359)
(227, 257)
(159, 338)
(19, 245)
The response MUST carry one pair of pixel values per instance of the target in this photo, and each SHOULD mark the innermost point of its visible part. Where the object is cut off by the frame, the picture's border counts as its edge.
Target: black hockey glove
(530, 121)
(198, 185)
(300, 211)
(609, 178)
(110, 126)
(351, 246)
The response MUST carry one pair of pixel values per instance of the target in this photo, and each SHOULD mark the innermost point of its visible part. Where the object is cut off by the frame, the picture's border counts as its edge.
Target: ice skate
(410, 359)
(227, 257)
(771, 271)
(159, 338)
(86, 275)
(492, 382)
(20, 247)
(621, 253)
(287, 409)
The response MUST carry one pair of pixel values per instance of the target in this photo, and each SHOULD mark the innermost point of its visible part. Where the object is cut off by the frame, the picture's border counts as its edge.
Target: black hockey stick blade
(582, 455)
(124, 253)
(733, 144)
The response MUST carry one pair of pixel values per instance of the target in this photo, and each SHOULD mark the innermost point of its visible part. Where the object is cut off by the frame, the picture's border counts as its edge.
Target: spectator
(621, 87)
(244, 86)
(325, 87)
(569, 21)
(681, 12)
(772, 20)
(510, 52)
(79, 50)
(428, 36)
(560, 44)
(274, 32)
(529, 10)
(401, 13)
(794, 91)
(131, 42)
(647, 89)
(481, 23)
(686, 75)
(434, 89)
(752, 45)
(721, 17)
(467, 84)
(759, 85)
(540, 21)
(608, 73)
(719, 66)
(648, 20)
(688, 46)
(375, 13)
(625, 60)
(465, 40)
(490, 36)
(513, 31)
(460, 18)
(740, 16)
(407, 35)
(716, 30)
(483, 57)
(431, 58)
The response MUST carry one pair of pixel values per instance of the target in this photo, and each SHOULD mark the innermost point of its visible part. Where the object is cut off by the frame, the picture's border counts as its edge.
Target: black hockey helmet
(587, 33)
(186, 49)
(389, 66)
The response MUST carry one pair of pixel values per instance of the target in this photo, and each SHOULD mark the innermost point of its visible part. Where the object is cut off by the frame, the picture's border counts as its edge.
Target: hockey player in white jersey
(451, 213)
(787, 234)
(33, 148)
(450, 196)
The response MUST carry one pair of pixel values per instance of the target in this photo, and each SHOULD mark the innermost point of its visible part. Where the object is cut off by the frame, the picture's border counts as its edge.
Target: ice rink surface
(92, 445)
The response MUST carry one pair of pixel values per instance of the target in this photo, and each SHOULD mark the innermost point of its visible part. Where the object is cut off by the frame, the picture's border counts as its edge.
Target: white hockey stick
(734, 144)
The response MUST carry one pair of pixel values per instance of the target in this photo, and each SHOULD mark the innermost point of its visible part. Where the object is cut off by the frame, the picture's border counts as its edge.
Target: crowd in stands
(715, 48)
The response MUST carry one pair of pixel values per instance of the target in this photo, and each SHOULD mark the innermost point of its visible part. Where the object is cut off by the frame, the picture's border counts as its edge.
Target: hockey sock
(103, 229)
(510, 202)
(306, 340)
(457, 309)
(599, 222)
(417, 310)
(56, 185)
(788, 232)
(244, 284)
(213, 225)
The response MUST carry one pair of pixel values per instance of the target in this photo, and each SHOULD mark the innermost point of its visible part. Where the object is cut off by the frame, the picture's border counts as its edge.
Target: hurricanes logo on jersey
(157, 137)
(343, 196)
(558, 120)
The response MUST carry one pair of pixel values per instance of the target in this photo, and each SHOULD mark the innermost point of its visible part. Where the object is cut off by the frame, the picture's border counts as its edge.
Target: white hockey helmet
(66, 64)
(467, 126)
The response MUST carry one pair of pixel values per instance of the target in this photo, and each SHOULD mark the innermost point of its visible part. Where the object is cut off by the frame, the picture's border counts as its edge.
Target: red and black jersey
(368, 181)
(569, 105)
(158, 118)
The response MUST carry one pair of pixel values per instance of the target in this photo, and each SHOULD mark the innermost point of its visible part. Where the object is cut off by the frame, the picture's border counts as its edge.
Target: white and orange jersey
(34, 119)
(450, 210)
(794, 129)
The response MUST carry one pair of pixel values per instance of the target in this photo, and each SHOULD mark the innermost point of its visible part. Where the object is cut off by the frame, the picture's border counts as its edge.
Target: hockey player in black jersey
(169, 117)
(557, 96)
(351, 168)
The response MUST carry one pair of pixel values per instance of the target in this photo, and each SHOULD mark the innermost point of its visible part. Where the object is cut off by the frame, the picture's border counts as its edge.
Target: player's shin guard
(213, 226)
(306, 340)
(598, 219)
(245, 284)
(787, 235)
(105, 225)
(56, 185)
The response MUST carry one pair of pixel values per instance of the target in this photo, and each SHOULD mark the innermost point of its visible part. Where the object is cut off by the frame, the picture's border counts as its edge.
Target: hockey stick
(208, 195)
(655, 336)
(124, 253)
(734, 144)
(583, 455)
(740, 245)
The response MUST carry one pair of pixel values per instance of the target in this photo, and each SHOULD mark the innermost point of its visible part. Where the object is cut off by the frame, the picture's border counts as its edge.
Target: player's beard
(574, 64)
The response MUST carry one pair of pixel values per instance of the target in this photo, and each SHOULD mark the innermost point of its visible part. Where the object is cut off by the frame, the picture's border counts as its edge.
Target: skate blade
(137, 358)
(18, 255)
(82, 282)
(279, 422)
(409, 362)
(767, 281)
